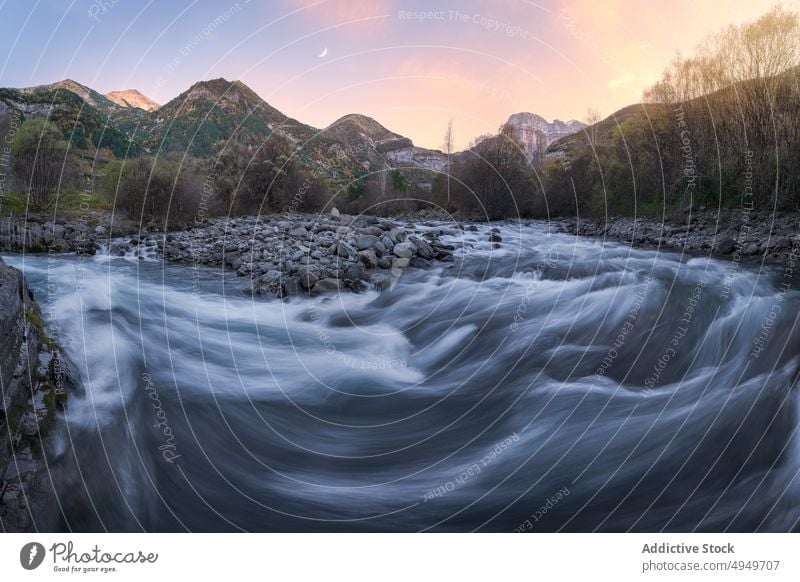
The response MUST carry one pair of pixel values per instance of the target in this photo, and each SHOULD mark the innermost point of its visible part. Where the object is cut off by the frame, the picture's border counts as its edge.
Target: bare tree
(736, 98)
(448, 149)
(592, 118)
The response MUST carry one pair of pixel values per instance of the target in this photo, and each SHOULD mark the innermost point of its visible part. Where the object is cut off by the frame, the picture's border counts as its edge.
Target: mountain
(83, 115)
(213, 111)
(132, 98)
(209, 113)
(602, 132)
(537, 134)
(90, 96)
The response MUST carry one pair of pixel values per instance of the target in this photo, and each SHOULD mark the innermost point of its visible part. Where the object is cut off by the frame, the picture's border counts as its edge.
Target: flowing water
(547, 383)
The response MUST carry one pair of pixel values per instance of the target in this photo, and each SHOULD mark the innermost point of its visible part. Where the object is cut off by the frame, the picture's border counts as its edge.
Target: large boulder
(344, 250)
(368, 258)
(725, 245)
(373, 230)
(404, 250)
(424, 250)
(366, 241)
(308, 278)
(328, 285)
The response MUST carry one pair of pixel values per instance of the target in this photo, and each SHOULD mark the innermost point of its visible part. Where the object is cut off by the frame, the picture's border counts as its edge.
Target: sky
(411, 64)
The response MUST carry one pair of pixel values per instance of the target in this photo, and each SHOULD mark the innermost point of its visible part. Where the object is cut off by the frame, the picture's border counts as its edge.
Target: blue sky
(410, 64)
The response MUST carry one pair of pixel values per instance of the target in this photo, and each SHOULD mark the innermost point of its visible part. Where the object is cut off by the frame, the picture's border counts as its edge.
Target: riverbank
(41, 233)
(35, 384)
(313, 254)
(726, 233)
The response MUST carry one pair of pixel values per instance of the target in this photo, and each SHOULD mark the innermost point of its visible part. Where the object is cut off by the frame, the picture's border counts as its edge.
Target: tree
(448, 149)
(734, 115)
(399, 182)
(38, 157)
(592, 119)
(496, 179)
(264, 176)
(165, 191)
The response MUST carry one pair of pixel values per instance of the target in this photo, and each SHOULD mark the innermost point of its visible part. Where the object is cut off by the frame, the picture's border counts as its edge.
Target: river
(548, 383)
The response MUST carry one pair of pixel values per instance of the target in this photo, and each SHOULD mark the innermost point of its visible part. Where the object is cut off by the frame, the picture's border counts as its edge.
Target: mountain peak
(65, 84)
(536, 133)
(88, 94)
(132, 98)
(356, 122)
(224, 94)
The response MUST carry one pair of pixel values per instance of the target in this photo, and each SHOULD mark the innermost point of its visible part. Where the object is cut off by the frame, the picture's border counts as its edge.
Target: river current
(548, 383)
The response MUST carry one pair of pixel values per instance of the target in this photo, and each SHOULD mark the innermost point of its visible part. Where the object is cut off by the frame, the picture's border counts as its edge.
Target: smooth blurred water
(552, 383)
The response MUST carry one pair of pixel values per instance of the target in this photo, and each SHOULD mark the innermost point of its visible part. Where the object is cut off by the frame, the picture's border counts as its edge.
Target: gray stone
(398, 235)
(344, 250)
(424, 250)
(404, 250)
(373, 230)
(368, 259)
(725, 245)
(328, 285)
(308, 278)
(420, 263)
(366, 241)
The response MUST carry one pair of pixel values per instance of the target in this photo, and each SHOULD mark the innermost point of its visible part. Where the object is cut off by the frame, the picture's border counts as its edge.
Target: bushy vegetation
(263, 177)
(493, 179)
(719, 129)
(162, 191)
(39, 162)
(242, 179)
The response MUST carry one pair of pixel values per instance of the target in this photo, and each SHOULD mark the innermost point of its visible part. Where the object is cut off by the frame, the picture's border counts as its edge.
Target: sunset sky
(410, 64)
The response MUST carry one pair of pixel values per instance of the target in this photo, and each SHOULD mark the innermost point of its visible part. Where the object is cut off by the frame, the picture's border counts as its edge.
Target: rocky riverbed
(312, 254)
(303, 254)
(35, 380)
(727, 233)
(45, 233)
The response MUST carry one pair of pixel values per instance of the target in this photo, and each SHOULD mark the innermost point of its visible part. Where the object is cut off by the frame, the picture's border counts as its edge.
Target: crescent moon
(323, 53)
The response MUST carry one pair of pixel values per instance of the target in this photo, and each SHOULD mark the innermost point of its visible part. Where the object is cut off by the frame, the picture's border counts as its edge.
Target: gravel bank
(303, 254)
(727, 233)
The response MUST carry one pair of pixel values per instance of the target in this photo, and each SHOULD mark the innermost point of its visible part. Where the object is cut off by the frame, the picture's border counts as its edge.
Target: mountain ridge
(212, 112)
(132, 98)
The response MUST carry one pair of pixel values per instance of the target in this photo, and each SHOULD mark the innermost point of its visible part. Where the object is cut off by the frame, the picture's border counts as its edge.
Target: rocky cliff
(536, 133)
(34, 382)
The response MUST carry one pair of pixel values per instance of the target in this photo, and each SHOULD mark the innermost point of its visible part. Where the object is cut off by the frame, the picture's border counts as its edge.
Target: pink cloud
(367, 14)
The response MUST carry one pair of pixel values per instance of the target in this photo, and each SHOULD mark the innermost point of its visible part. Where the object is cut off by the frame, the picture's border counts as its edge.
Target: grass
(654, 209)
(68, 203)
(34, 318)
(13, 203)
